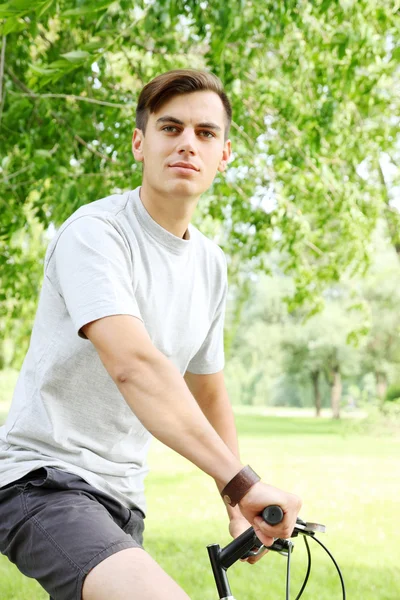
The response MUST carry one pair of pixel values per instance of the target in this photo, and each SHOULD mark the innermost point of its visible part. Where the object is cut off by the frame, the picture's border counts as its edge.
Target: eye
(170, 129)
(207, 134)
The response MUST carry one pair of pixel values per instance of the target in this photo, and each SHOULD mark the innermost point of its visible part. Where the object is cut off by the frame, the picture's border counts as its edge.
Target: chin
(184, 188)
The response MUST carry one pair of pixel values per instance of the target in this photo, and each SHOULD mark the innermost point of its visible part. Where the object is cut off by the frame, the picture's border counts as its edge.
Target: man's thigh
(130, 575)
(56, 529)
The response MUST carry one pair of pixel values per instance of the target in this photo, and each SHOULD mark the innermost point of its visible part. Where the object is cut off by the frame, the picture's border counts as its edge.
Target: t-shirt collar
(166, 238)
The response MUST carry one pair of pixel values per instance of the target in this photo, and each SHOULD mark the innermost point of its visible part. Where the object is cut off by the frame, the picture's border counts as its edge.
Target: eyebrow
(169, 119)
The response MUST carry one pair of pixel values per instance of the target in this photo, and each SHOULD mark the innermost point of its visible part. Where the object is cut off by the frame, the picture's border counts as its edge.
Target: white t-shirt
(110, 257)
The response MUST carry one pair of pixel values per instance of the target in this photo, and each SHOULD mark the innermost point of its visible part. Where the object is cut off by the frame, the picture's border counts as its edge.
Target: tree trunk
(381, 386)
(232, 327)
(2, 358)
(317, 392)
(392, 216)
(336, 393)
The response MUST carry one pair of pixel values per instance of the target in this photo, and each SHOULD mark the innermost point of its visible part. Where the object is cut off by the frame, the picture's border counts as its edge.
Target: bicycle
(248, 544)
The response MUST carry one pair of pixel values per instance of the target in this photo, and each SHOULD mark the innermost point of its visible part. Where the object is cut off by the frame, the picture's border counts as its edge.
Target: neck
(173, 213)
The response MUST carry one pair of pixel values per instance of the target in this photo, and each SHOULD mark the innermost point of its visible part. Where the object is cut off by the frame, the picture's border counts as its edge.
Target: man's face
(184, 146)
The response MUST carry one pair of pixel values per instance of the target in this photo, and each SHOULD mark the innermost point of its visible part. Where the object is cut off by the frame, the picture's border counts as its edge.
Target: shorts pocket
(135, 526)
(35, 478)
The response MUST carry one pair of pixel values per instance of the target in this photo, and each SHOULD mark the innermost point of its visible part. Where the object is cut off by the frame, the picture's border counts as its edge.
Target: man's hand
(237, 526)
(259, 497)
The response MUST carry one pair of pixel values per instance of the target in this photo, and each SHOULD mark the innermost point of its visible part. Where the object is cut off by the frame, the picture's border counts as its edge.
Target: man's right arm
(156, 392)
(158, 395)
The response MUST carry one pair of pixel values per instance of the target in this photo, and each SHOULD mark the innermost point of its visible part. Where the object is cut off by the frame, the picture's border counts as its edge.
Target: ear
(226, 153)
(137, 145)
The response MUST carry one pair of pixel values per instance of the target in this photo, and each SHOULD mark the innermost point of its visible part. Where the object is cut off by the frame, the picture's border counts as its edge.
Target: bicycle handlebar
(272, 515)
(241, 547)
(245, 544)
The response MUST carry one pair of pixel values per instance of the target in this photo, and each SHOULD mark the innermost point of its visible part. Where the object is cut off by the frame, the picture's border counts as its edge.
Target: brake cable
(248, 544)
(303, 587)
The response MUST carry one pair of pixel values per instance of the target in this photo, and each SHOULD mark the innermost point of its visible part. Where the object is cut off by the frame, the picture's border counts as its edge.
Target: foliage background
(315, 91)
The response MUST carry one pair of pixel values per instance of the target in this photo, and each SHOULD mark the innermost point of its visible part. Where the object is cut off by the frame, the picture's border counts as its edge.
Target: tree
(254, 324)
(348, 346)
(313, 85)
(381, 345)
(302, 362)
(19, 295)
(319, 348)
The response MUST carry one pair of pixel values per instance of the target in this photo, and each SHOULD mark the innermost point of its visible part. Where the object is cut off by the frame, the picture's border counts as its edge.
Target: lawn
(348, 481)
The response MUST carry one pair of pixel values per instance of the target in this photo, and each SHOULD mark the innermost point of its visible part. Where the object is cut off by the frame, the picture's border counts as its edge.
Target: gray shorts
(56, 527)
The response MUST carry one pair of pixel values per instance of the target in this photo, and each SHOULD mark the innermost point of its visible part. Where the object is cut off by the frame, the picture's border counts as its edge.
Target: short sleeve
(210, 358)
(93, 270)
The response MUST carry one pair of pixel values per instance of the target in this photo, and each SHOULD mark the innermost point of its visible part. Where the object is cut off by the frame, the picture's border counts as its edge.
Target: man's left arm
(212, 396)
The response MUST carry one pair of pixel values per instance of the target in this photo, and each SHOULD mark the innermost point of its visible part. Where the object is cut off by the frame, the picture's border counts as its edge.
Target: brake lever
(307, 528)
(280, 545)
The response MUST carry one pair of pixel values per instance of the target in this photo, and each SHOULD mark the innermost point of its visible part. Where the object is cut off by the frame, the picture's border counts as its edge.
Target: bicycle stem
(222, 559)
(221, 579)
(241, 547)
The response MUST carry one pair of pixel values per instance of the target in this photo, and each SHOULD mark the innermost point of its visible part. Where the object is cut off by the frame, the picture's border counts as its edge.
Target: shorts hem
(113, 549)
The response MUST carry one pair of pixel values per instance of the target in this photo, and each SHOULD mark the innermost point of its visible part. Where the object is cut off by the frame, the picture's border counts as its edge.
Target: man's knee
(130, 574)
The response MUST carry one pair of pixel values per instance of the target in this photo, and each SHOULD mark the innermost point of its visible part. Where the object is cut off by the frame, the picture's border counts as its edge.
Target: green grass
(348, 481)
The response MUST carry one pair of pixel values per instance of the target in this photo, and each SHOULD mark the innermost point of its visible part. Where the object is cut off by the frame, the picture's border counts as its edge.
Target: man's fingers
(265, 539)
(253, 559)
(282, 530)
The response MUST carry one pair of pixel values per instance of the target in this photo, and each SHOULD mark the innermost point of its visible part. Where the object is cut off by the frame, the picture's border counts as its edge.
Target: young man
(128, 343)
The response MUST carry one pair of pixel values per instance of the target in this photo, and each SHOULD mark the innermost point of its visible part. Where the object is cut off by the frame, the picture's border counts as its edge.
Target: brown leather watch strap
(238, 487)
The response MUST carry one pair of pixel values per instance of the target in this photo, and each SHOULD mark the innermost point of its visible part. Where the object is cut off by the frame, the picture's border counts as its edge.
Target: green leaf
(45, 8)
(6, 11)
(13, 25)
(60, 64)
(19, 7)
(85, 10)
(43, 153)
(94, 45)
(46, 79)
(396, 54)
(24, 5)
(41, 70)
(76, 56)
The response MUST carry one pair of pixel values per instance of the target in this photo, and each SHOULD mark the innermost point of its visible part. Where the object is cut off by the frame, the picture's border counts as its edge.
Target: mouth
(185, 166)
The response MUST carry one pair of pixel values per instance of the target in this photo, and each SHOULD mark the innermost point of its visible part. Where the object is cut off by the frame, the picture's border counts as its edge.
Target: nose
(187, 143)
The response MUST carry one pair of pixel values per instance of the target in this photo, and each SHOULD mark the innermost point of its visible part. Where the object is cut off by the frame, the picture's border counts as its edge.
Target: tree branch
(152, 50)
(256, 126)
(2, 61)
(390, 225)
(6, 178)
(59, 120)
(314, 247)
(92, 150)
(383, 182)
(78, 98)
(133, 67)
(243, 133)
(44, 38)
(18, 83)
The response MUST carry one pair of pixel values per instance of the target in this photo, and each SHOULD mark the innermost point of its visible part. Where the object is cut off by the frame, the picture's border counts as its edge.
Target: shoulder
(104, 210)
(92, 222)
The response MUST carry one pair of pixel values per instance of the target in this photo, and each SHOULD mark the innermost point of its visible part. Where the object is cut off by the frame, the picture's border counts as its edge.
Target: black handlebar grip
(272, 515)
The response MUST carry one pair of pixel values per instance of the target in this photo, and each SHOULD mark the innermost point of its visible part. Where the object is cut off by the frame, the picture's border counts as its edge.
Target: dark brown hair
(173, 83)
